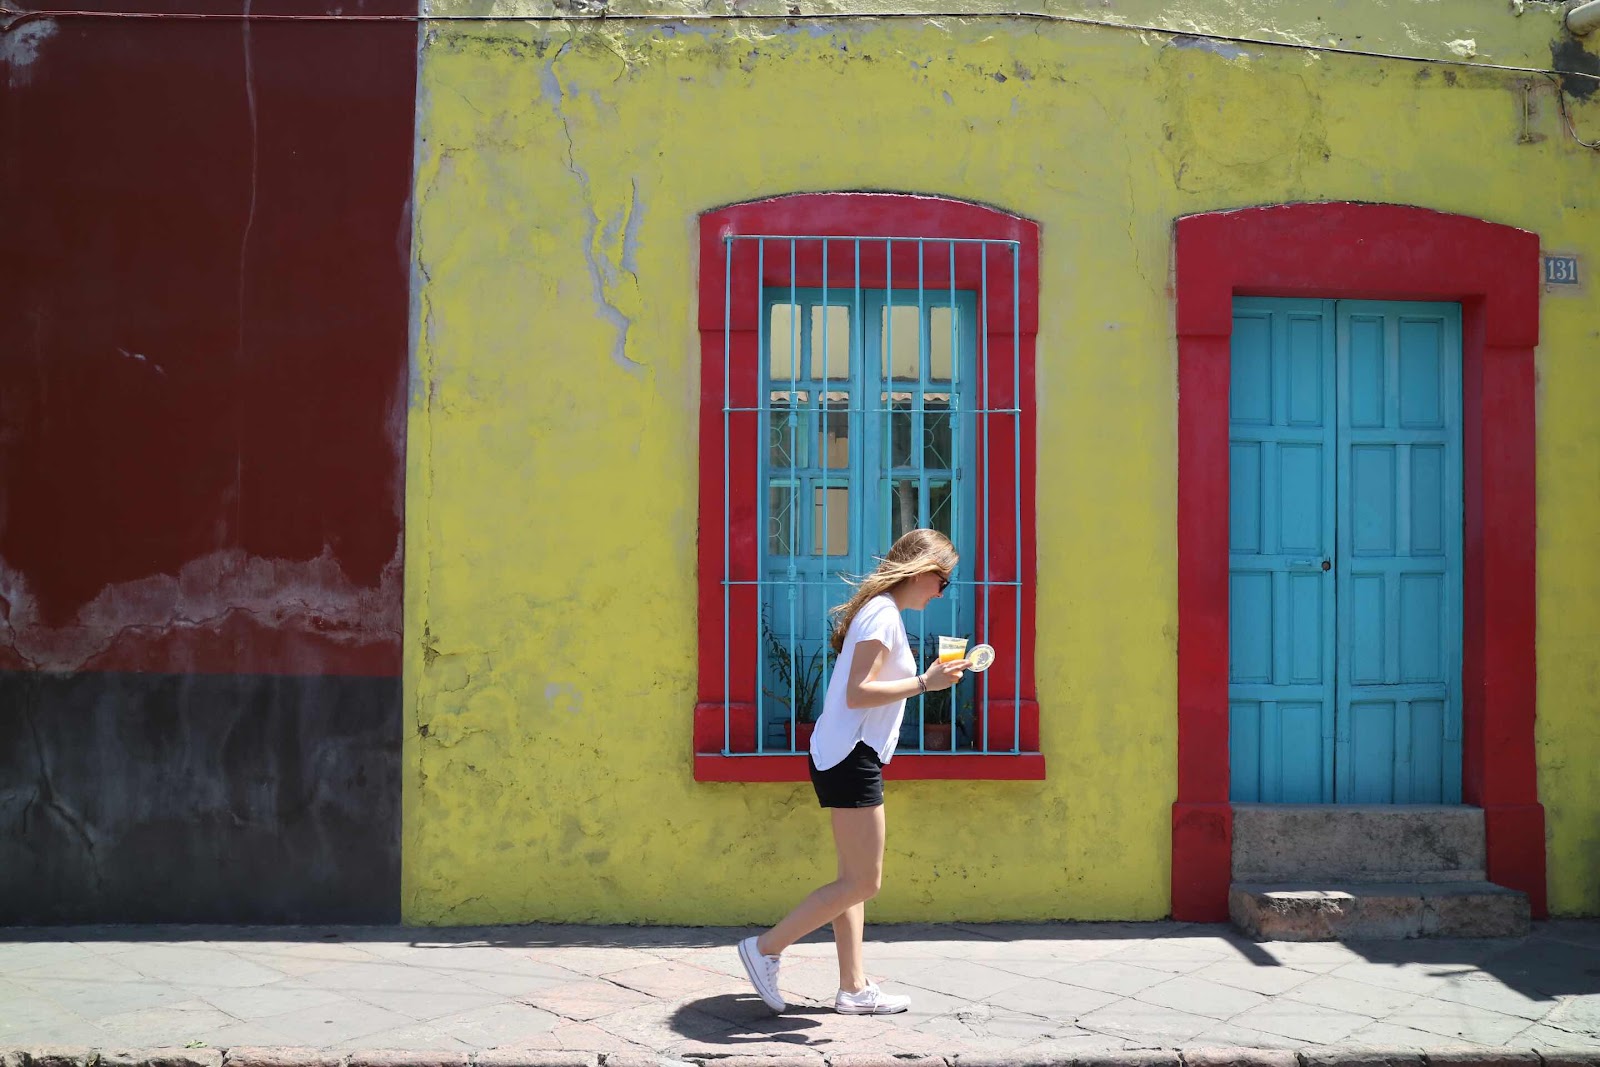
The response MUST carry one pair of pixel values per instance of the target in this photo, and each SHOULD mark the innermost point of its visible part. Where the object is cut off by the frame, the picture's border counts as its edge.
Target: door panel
(1281, 478)
(1345, 552)
(1399, 553)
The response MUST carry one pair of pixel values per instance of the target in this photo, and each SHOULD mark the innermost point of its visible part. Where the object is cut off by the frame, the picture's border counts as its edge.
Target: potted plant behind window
(935, 721)
(936, 710)
(799, 678)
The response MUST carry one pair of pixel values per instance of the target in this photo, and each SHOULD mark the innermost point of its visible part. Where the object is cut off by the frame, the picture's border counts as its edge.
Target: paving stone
(1052, 1000)
(512, 1057)
(407, 1058)
(162, 1057)
(1306, 1022)
(1268, 979)
(1387, 1035)
(1227, 1035)
(1129, 1058)
(1558, 1057)
(280, 1056)
(1199, 997)
(1421, 979)
(1110, 976)
(1358, 998)
(1146, 1023)
(1451, 1020)
(62, 1056)
(1481, 1057)
(863, 1059)
(586, 1037)
(1494, 996)
(1020, 1058)
(585, 1000)
(1239, 1057)
(1359, 1057)
(792, 1059)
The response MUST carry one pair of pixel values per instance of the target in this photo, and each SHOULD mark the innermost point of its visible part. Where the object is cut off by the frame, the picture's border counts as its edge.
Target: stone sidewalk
(1041, 994)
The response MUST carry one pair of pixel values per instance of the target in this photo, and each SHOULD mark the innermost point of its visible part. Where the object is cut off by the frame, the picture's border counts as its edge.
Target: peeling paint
(19, 46)
(311, 597)
(1225, 49)
(140, 357)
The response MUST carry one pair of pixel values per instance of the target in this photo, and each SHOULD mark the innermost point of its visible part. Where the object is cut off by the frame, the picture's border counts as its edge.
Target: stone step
(1357, 843)
(1377, 911)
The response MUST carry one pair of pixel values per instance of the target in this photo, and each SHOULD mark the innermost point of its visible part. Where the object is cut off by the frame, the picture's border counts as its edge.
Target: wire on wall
(11, 18)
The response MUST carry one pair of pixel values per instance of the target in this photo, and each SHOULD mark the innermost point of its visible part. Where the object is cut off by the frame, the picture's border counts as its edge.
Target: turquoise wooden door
(1345, 552)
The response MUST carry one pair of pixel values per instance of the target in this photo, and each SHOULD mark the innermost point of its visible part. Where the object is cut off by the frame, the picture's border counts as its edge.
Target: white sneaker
(763, 972)
(870, 1001)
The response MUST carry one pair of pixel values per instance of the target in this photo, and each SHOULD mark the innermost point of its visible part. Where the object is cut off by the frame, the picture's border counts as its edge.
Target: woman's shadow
(742, 1019)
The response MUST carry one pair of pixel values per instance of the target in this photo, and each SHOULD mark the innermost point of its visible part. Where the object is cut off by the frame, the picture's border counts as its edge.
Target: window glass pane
(830, 324)
(941, 514)
(903, 342)
(937, 431)
(780, 520)
(903, 511)
(941, 361)
(834, 440)
(900, 450)
(831, 523)
(783, 335)
(785, 429)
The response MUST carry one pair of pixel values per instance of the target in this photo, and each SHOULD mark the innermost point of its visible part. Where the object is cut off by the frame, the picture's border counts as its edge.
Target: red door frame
(1383, 252)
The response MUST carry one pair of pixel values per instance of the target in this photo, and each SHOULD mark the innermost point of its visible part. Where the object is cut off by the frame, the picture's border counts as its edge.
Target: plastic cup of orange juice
(952, 649)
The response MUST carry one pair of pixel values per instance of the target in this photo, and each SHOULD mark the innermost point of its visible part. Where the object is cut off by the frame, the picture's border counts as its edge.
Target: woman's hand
(944, 675)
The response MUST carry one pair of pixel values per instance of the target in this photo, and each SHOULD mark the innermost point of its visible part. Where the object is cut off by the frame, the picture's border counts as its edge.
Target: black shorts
(854, 782)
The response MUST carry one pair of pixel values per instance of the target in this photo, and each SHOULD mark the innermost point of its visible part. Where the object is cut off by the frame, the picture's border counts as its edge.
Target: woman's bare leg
(858, 838)
(847, 934)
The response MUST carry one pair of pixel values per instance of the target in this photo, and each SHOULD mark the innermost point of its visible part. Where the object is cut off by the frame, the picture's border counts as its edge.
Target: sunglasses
(944, 582)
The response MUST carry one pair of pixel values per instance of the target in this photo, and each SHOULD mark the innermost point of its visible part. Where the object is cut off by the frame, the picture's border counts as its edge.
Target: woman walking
(855, 736)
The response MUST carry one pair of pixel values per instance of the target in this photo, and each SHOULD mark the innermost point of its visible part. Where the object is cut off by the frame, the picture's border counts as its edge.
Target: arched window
(867, 368)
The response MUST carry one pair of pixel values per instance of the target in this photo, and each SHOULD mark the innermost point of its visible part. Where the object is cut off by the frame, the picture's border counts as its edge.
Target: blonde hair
(916, 552)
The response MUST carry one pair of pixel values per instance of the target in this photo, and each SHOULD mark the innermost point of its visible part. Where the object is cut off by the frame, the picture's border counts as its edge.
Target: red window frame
(728, 306)
(1380, 252)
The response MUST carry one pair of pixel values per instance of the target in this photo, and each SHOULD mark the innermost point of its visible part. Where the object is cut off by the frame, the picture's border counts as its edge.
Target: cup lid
(980, 657)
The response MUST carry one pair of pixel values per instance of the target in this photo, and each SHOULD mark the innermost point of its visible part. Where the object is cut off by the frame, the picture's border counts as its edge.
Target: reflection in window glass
(941, 359)
(906, 506)
(831, 522)
(937, 434)
(830, 338)
(780, 520)
(902, 507)
(900, 434)
(940, 512)
(782, 340)
(902, 340)
(834, 441)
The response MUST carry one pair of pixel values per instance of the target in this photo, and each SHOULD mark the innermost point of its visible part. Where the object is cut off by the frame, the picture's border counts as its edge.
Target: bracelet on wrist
(922, 683)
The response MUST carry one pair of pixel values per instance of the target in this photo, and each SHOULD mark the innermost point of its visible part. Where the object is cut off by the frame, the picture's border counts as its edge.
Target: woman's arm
(865, 690)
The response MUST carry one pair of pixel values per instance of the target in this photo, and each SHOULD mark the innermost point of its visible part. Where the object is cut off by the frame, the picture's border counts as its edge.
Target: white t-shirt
(841, 726)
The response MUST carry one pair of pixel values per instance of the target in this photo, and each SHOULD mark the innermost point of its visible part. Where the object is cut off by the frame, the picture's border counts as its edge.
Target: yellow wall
(550, 608)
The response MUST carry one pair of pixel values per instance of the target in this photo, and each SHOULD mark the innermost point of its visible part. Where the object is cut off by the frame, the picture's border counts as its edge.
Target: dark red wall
(204, 306)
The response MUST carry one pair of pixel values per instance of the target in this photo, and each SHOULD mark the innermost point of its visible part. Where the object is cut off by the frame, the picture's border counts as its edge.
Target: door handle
(1310, 565)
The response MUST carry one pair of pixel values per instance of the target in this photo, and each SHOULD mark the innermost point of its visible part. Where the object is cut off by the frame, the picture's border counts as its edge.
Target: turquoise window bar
(875, 415)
